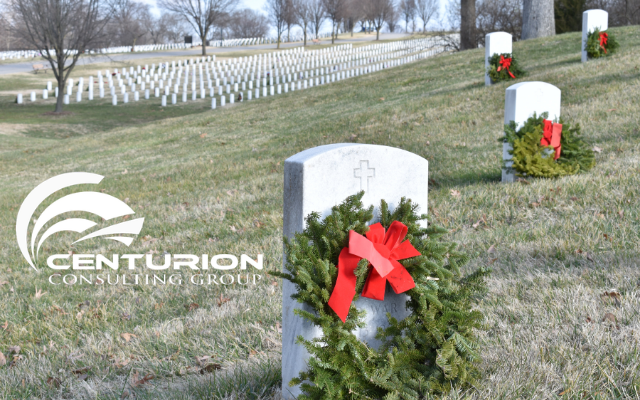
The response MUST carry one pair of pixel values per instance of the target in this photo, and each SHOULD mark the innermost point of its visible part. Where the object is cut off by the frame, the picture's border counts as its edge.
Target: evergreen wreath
(600, 44)
(504, 67)
(430, 351)
(531, 158)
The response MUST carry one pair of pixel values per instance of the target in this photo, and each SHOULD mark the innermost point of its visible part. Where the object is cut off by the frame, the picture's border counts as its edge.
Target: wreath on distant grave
(504, 67)
(430, 351)
(542, 148)
(600, 44)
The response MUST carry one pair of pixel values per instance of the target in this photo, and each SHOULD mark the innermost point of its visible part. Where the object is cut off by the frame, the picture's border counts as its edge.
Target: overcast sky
(258, 5)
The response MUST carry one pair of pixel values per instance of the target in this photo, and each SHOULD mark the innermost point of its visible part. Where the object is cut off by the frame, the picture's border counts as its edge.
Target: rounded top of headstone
(309, 155)
(595, 11)
(499, 34)
(533, 87)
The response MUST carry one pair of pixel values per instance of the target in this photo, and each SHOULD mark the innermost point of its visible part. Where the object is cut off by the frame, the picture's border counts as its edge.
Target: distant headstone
(521, 101)
(592, 20)
(495, 43)
(320, 178)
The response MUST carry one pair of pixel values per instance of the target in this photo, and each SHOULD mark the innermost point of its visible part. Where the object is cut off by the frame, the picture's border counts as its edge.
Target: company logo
(103, 205)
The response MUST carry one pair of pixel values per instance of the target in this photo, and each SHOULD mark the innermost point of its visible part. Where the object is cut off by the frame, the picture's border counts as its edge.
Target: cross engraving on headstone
(364, 173)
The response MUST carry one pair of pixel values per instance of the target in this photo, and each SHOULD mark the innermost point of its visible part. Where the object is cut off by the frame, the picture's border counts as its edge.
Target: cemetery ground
(563, 307)
(98, 115)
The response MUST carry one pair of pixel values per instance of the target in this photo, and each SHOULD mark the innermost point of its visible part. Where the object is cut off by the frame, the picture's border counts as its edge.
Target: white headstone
(495, 43)
(32, 96)
(114, 100)
(45, 94)
(592, 20)
(213, 103)
(19, 98)
(521, 101)
(65, 99)
(164, 101)
(222, 101)
(320, 178)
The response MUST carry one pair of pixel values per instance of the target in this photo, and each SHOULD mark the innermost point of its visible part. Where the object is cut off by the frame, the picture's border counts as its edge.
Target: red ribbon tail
(345, 288)
(375, 286)
(400, 279)
(511, 74)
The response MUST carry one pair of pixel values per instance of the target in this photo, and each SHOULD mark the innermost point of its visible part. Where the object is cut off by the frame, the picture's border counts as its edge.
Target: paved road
(27, 66)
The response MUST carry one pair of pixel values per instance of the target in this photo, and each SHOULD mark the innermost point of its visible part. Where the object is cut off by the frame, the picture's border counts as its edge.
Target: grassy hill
(211, 182)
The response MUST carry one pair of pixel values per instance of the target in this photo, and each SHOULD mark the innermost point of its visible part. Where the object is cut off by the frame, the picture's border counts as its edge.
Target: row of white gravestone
(283, 64)
(501, 42)
(319, 178)
(323, 74)
(233, 73)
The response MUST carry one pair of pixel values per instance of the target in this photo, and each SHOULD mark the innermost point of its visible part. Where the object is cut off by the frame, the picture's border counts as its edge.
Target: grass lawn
(210, 182)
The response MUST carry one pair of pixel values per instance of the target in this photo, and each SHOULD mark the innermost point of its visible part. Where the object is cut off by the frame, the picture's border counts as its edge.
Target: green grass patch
(210, 182)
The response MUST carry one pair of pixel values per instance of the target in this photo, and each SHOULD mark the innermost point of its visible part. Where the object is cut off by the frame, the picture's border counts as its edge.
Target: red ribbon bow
(551, 136)
(604, 36)
(383, 250)
(506, 63)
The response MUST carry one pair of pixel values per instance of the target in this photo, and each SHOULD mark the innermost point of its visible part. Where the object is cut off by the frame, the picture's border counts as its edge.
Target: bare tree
(621, 12)
(168, 28)
(377, 12)
(392, 18)
(408, 11)
(62, 30)
(248, 23)
(130, 21)
(319, 15)
(353, 12)
(426, 10)
(468, 24)
(202, 15)
(176, 28)
(304, 16)
(290, 16)
(498, 15)
(538, 19)
(277, 10)
(335, 10)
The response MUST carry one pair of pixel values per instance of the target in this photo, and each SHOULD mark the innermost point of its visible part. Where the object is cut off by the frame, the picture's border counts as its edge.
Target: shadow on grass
(246, 382)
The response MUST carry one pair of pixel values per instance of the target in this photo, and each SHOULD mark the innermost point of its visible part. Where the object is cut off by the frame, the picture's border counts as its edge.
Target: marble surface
(495, 43)
(521, 101)
(316, 180)
(592, 19)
